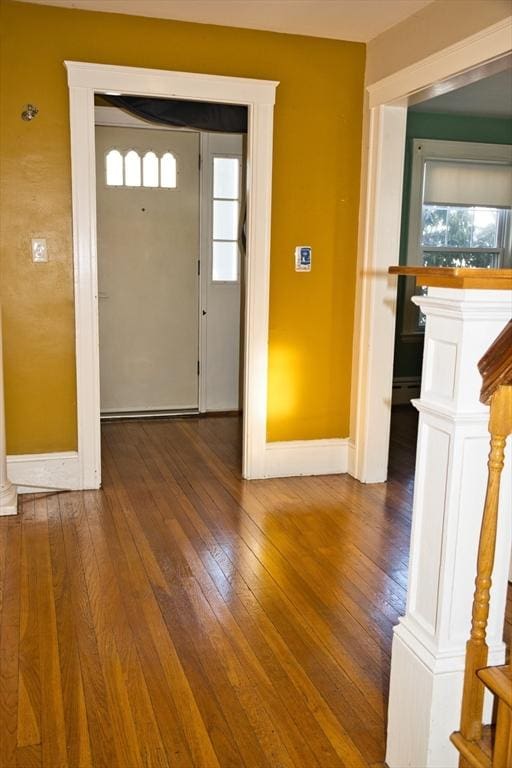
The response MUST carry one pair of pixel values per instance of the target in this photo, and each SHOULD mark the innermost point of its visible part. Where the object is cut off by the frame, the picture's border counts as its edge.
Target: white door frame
(376, 291)
(84, 80)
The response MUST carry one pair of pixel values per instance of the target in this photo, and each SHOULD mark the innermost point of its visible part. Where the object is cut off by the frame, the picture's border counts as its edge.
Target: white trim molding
(38, 472)
(380, 241)
(86, 79)
(8, 491)
(306, 457)
(484, 46)
(375, 323)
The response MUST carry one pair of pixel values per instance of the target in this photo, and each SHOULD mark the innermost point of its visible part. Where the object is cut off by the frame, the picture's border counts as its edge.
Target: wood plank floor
(182, 617)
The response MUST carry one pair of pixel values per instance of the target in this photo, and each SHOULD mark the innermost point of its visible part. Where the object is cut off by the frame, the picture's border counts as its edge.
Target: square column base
(424, 704)
(429, 645)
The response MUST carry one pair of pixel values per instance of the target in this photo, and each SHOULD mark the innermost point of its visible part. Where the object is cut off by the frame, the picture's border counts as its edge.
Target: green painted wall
(422, 125)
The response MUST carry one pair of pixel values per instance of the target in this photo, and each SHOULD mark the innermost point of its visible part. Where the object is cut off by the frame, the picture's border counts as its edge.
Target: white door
(148, 251)
(223, 271)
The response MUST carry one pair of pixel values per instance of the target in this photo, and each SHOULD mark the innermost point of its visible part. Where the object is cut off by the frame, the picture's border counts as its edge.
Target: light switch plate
(39, 250)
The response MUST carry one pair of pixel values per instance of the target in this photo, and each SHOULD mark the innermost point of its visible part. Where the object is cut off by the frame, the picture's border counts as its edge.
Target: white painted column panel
(451, 474)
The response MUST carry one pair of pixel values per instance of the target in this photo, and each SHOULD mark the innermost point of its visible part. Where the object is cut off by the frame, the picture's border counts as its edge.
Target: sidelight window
(226, 215)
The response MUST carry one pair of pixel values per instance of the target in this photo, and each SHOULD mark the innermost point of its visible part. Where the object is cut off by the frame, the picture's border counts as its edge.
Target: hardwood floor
(182, 617)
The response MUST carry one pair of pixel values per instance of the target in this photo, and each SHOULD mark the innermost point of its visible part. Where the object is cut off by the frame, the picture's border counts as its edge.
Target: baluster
(500, 426)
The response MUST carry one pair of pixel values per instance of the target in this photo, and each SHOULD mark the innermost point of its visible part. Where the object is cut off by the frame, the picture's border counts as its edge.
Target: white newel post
(451, 474)
(8, 495)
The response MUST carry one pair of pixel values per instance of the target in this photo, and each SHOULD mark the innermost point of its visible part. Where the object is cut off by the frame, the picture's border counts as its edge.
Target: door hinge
(198, 266)
(199, 161)
(198, 367)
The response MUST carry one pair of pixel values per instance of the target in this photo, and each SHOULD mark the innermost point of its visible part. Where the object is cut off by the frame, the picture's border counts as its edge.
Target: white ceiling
(358, 20)
(490, 97)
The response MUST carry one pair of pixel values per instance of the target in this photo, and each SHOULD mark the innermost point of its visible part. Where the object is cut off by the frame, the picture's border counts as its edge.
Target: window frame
(436, 149)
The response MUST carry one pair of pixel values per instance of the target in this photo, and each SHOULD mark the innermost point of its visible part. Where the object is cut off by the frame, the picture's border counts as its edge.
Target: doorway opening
(454, 213)
(171, 257)
(469, 60)
(258, 96)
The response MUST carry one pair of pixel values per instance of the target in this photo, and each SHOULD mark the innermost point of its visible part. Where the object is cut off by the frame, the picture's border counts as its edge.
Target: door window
(128, 169)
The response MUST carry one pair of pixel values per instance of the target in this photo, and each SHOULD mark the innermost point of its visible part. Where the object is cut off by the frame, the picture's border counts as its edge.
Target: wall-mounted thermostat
(303, 258)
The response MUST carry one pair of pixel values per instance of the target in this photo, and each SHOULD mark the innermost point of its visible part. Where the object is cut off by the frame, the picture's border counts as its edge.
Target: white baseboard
(36, 472)
(32, 473)
(306, 457)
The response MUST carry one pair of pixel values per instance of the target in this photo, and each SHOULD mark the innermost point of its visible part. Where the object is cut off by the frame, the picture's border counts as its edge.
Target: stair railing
(496, 370)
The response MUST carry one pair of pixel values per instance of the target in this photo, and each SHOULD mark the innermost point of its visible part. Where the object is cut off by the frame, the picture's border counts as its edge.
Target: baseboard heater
(405, 389)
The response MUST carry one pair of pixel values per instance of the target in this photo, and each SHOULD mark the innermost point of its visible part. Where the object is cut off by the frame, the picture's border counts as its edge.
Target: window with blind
(461, 197)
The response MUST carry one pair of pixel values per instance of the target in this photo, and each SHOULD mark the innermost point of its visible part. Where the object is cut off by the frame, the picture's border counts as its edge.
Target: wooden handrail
(496, 369)
(458, 277)
(496, 365)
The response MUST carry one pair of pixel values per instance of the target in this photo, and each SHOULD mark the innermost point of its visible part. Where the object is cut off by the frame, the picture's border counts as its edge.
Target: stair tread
(478, 754)
(499, 681)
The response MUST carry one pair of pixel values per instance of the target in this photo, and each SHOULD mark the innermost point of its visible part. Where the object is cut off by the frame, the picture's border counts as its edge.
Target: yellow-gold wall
(317, 156)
